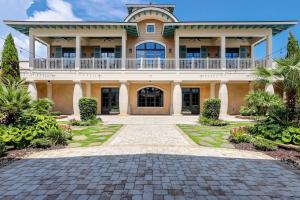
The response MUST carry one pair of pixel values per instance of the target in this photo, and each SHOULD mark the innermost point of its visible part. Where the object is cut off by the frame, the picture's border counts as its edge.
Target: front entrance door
(109, 101)
(191, 100)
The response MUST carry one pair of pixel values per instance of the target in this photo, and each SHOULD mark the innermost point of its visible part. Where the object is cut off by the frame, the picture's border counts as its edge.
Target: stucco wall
(62, 96)
(41, 90)
(135, 110)
(157, 36)
(236, 96)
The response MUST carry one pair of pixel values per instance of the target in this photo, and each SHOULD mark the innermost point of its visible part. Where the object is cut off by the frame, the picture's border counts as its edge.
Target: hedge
(88, 108)
(211, 108)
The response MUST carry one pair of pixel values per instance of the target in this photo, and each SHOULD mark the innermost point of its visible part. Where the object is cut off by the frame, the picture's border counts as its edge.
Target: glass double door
(109, 101)
(191, 100)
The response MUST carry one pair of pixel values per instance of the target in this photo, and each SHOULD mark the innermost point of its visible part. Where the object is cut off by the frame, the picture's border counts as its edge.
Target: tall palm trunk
(291, 98)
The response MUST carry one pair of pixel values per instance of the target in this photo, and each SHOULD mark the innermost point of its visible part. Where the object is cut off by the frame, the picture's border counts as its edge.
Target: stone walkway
(148, 159)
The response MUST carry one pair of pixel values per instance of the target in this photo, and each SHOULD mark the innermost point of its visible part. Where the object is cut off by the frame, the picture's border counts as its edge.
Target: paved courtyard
(148, 159)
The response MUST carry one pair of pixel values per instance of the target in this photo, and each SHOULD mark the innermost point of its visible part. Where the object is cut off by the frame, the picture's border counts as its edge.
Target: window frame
(161, 105)
(150, 24)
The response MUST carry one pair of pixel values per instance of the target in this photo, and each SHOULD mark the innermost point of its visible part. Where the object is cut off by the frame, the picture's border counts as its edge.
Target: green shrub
(42, 106)
(91, 122)
(245, 111)
(211, 108)
(2, 148)
(30, 127)
(56, 136)
(212, 122)
(259, 102)
(40, 143)
(264, 144)
(240, 137)
(291, 135)
(88, 108)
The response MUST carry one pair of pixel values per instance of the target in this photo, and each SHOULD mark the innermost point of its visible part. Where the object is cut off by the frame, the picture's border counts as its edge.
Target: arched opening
(150, 97)
(150, 50)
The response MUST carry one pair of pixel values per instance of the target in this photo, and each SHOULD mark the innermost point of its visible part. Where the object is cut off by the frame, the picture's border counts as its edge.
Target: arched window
(150, 50)
(150, 97)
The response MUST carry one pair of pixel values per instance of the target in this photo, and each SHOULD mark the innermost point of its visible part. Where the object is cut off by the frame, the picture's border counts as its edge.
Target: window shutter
(82, 52)
(97, 52)
(243, 52)
(58, 52)
(204, 52)
(118, 52)
(182, 51)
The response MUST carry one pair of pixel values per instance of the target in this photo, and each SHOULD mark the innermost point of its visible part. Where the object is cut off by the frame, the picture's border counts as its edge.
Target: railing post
(47, 63)
(93, 62)
(107, 63)
(158, 63)
(238, 64)
(142, 63)
(207, 63)
(252, 63)
(193, 63)
(62, 63)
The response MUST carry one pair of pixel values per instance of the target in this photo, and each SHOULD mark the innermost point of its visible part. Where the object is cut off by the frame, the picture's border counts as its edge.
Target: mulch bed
(289, 157)
(18, 154)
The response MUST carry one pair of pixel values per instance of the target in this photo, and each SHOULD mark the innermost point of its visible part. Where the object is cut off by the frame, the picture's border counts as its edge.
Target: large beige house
(150, 63)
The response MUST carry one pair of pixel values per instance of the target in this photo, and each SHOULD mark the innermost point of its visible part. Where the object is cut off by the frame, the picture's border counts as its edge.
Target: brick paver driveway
(164, 166)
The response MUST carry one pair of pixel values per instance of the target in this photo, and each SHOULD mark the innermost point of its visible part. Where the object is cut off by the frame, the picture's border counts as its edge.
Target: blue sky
(115, 10)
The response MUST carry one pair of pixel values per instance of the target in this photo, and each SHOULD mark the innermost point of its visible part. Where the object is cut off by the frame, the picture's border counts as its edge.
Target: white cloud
(59, 10)
(105, 9)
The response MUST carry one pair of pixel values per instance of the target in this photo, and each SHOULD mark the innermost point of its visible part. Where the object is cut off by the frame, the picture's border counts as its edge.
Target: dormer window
(150, 28)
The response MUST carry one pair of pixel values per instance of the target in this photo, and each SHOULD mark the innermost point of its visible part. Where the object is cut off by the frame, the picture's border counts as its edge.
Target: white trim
(150, 8)
(145, 41)
(149, 24)
(232, 23)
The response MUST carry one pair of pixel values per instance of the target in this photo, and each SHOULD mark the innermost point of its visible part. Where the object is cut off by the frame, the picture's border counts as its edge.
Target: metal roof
(24, 26)
(276, 26)
(132, 7)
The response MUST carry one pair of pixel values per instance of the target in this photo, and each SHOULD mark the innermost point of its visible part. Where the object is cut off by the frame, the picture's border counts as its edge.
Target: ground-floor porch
(146, 97)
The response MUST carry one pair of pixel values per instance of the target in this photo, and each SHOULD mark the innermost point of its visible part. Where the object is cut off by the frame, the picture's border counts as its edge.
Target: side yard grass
(211, 136)
(84, 136)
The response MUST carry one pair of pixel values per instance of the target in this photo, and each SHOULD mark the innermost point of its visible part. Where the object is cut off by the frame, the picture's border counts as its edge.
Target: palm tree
(14, 98)
(287, 71)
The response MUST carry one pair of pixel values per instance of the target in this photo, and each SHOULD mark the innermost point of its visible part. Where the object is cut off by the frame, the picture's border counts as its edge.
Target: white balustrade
(148, 64)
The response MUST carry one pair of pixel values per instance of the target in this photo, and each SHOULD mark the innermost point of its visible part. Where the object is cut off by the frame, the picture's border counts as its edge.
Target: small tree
(211, 108)
(10, 60)
(88, 108)
(292, 46)
(14, 99)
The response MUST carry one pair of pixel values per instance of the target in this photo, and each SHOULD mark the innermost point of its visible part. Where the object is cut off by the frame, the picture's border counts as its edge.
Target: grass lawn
(211, 136)
(84, 136)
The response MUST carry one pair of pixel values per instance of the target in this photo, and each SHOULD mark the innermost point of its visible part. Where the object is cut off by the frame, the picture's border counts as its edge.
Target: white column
(223, 52)
(212, 90)
(269, 50)
(78, 53)
(252, 56)
(31, 50)
(88, 89)
(177, 98)
(48, 51)
(177, 57)
(124, 39)
(223, 96)
(77, 94)
(269, 88)
(123, 98)
(32, 90)
(49, 90)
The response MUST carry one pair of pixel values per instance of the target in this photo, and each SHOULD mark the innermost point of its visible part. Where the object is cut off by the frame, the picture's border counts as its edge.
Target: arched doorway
(150, 97)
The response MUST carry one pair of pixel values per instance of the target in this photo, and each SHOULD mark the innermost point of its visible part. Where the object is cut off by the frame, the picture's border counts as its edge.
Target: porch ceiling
(24, 26)
(276, 26)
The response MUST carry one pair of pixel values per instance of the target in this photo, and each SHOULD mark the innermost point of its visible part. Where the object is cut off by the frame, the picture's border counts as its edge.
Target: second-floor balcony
(148, 64)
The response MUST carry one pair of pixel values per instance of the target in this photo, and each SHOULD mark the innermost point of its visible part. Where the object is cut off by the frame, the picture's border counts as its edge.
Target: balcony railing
(148, 64)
